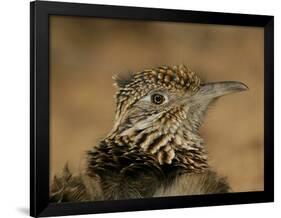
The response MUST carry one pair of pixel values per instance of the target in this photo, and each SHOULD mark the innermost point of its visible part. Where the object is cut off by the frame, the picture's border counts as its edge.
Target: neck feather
(181, 146)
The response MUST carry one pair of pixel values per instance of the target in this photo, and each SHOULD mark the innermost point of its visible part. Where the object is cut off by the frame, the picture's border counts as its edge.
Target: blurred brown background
(86, 52)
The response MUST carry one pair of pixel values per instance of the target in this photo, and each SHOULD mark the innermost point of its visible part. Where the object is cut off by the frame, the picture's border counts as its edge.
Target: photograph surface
(142, 109)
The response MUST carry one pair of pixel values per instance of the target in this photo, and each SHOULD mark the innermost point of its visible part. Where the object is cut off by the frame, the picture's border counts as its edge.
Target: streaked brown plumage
(154, 147)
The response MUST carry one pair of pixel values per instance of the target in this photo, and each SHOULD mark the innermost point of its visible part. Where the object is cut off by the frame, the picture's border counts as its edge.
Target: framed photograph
(141, 109)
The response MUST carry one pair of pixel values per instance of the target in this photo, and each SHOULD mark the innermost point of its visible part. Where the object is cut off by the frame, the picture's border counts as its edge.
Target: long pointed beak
(214, 90)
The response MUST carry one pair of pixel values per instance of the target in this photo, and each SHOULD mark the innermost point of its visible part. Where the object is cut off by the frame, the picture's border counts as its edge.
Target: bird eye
(157, 98)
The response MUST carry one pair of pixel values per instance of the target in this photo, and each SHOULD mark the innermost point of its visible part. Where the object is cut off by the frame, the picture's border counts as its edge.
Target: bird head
(161, 109)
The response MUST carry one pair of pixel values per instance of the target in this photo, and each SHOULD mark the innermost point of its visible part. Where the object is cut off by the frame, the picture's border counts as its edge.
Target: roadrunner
(154, 148)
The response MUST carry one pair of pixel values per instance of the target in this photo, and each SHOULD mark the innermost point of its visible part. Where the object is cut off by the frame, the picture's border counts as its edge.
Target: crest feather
(121, 80)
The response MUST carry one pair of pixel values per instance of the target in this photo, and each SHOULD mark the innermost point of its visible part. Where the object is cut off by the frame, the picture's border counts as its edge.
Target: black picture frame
(40, 102)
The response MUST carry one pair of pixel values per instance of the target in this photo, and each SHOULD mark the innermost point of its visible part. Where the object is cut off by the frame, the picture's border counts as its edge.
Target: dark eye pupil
(157, 99)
